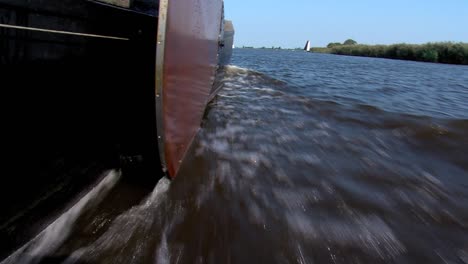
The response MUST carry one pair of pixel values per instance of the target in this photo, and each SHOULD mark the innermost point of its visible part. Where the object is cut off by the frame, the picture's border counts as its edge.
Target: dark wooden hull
(73, 104)
(90, 87)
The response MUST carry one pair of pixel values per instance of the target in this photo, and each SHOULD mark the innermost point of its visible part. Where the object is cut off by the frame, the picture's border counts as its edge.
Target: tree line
(440, 52)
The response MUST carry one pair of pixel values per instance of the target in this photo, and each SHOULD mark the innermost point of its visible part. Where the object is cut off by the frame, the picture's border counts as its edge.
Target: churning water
(305, 158)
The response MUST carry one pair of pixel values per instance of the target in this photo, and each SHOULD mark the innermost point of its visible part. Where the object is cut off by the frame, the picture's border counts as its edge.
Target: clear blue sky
(289, 23)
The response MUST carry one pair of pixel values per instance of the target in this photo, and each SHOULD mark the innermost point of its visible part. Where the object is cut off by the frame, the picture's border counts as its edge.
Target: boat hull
(92, 86)
(69, 71)
(227, 43)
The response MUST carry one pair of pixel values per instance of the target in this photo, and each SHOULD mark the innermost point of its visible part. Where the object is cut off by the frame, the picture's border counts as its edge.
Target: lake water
(302, 158)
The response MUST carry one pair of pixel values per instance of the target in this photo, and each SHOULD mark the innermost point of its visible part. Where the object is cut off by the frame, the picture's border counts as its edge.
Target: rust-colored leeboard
(190, 63)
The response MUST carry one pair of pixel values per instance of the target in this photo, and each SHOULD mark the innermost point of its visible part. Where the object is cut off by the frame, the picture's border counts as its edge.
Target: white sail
(307, 46)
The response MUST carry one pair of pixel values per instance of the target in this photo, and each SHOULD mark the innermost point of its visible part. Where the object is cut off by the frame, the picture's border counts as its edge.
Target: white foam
(56, 233)
(127, 230)
(162, 253)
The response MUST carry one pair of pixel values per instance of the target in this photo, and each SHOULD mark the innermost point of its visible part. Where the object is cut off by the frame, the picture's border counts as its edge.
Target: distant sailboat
(307, 46)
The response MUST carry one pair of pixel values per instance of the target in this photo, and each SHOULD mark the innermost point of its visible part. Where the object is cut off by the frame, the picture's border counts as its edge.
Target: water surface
(304, 158)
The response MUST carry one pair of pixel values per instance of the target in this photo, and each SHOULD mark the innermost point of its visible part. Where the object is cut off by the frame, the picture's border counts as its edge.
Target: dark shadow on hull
(73, 108)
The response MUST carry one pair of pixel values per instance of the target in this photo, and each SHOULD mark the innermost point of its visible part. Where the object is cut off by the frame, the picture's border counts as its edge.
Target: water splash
(49, 240)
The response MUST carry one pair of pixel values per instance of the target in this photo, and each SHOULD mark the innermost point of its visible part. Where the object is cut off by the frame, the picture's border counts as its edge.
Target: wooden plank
(121, 3)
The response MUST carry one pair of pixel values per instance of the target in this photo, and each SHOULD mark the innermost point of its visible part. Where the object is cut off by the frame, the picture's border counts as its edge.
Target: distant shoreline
(441, 52)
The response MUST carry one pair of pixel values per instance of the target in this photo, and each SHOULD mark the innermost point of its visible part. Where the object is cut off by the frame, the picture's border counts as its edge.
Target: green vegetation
(320, 50)
(338, 44)
(441, 52)
(350, 42)
(333, 44)
(273, 47)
